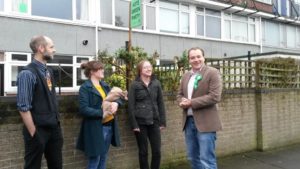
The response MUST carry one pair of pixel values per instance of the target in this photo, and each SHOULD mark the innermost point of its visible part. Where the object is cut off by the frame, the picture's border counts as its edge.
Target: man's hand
(185, 103)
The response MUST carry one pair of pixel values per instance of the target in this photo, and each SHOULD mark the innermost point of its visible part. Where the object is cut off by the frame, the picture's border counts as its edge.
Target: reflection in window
(240, 31)
(291, 36)
(150, 18)
(82, 60)
(298, 38)
(227, 29)
(282, 35)
(213, 27)
(18, 57)
(200, 21)
(61, 9)
(1, 5)
(80, 76)
(19, 6)
(63, 75)
(270, 30)
(82, 9)
(185, 23)
(106, 11)
(121, 8)
(61, 59)
(169, 17)
(15, 70)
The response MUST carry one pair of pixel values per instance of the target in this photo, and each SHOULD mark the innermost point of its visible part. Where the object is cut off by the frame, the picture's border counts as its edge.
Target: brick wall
(279, 112)
(251, 120)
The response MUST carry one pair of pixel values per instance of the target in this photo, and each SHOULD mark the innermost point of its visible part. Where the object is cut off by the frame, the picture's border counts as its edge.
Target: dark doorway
(1, 80)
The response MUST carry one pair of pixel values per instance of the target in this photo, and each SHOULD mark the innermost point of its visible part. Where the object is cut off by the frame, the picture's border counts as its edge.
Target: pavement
(283, 158)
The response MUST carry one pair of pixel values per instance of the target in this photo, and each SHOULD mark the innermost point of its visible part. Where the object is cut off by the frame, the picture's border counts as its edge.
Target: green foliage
(116, 80)
(183, 60)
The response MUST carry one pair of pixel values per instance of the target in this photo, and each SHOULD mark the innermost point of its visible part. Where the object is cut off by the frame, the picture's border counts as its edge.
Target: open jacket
(204, 99)
(146, 104)
(90, 139)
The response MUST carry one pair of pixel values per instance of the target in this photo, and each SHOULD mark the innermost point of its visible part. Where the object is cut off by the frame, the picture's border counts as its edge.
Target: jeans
(99, 162)
(200, 146)
(151, 132)
(47, 141)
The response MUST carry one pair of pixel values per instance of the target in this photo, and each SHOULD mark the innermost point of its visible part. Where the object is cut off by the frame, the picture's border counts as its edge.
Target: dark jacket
(44, 111)
(90, 139)
(146, 104)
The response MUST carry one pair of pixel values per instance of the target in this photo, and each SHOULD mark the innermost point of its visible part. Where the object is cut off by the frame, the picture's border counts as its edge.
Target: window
(121, 13)
(61, 9)
(184, 19)
(106, 11)
(213, 24)
(271, 29)
(200, 21)
(298, 38)
(20, 6)
(169, 17)
(282, 35)
(150, 18)
(82, 9)
(80, 72)
(1, 5)
(1, 56)
(240, 28)
(63, 75)
(61, 59)
(15, 70)
(291, 36)
(19, 57)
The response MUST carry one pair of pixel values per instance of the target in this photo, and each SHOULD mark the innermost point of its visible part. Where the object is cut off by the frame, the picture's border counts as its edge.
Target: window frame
(9, 63)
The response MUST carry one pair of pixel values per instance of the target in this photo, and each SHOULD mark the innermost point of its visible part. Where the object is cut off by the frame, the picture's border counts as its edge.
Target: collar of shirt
(41, 67)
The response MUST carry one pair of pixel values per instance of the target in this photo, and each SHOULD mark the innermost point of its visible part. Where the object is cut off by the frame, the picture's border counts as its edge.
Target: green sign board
(136, 16)
(23, 7)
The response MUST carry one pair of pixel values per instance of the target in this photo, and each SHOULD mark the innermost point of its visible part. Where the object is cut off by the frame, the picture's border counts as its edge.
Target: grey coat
(146, 104)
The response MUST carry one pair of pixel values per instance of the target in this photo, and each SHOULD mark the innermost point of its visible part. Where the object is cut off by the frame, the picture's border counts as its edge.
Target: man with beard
(37, 104)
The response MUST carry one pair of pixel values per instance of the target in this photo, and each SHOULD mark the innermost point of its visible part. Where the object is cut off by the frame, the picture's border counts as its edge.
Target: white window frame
(9, 63)
(91, 18)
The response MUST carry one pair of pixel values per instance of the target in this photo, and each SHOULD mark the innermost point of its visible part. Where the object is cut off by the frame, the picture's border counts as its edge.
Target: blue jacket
(90, 139)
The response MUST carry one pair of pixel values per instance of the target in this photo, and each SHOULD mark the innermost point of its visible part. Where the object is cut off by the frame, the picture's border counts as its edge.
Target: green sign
(136, 17)
(23, 7)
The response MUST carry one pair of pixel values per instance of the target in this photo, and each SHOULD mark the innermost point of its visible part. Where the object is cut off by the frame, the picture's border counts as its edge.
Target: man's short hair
(36, 42)
(195, 48)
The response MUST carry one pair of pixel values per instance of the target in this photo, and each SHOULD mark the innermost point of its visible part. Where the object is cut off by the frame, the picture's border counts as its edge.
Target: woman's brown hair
(139, 66)
(91, 66)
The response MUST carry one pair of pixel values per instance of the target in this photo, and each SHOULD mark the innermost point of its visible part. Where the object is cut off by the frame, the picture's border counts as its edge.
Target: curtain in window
(82, 9)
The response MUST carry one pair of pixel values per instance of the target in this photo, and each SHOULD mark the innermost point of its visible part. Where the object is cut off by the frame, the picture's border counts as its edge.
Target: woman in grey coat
(147, 114)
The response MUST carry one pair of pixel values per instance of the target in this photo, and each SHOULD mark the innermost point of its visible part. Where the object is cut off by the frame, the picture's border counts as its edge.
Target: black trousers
(151, 132)
(47, 141)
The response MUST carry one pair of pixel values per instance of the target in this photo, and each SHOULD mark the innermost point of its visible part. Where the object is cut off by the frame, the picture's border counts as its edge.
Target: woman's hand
(114, 107)
(162, 127)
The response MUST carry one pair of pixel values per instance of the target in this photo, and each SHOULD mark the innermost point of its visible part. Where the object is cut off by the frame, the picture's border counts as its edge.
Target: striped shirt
(26, 82)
